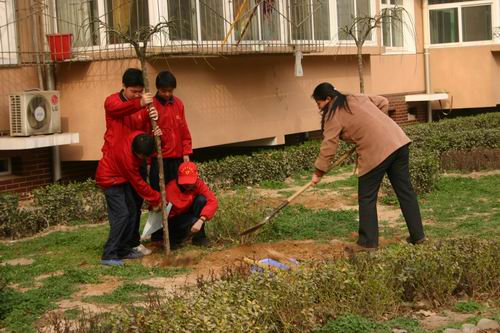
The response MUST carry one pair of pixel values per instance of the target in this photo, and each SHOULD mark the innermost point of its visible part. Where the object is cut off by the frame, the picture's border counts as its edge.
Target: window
(392, 23)
(476, 23)
(5, 166)
(182, 14)
(347, 11)
(127, 17)
(310, 19)
(8, 42)
(212, 20)
(454, 21)
(444, 25)
(264, 19)
(75, 17)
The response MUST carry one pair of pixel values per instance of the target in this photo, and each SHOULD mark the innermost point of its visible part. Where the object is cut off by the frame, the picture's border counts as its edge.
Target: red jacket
(176, 139)
(182, 201)
(120, 165)
(122, 117)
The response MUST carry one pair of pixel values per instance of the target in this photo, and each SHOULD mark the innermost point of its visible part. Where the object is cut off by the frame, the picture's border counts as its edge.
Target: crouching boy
(118, 174)
(193, 204)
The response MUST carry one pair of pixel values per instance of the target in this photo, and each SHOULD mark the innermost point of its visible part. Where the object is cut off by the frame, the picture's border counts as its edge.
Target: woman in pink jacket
(382, 148)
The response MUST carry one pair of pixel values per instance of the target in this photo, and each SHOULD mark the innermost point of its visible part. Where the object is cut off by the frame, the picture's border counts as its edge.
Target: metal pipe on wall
(427, 57)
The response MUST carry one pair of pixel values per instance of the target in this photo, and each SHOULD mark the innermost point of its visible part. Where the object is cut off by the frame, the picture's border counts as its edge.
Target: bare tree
(361, 27)
(140, 40)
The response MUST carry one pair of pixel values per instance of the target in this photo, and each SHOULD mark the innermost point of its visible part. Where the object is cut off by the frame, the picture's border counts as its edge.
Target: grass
(468, 306)
(297, 222)
(125, 294)
(464, 206)
(75, 255)
(357, 324)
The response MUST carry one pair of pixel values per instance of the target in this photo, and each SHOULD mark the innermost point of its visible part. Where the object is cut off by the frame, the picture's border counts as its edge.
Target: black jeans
(179, 227)
(396, 167)
(123, 207)
(170, 169)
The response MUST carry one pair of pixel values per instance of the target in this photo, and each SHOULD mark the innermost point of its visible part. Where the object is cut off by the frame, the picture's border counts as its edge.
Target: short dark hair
(143, 144)
(165, 79)
(133, 78)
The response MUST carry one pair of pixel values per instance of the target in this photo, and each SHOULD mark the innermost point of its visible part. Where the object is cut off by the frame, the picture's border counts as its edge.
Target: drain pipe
(427, 58)
(50, 78)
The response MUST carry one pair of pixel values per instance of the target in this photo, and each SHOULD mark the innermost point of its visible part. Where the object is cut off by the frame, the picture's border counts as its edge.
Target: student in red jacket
(126, 111)
(118, 174)
(193, 204)
(175, 138)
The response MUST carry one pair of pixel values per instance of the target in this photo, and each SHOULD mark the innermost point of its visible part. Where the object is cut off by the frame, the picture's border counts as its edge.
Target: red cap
(187, 173)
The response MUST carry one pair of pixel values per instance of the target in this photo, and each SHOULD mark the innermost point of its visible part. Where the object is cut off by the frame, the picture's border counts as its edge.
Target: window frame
(12, 50)
(349, 42)
(409, 37)
(459, 5)
(9, 166)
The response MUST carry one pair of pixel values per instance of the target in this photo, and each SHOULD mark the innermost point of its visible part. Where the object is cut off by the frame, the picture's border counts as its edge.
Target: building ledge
(38, 141)
(426, 97)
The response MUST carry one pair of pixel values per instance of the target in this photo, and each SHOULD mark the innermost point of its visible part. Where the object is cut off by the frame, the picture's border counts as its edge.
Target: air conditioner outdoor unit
(34, 113)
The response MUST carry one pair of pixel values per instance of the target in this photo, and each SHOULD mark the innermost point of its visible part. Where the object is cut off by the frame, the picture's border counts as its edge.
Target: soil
(215, 263)
(17, 262)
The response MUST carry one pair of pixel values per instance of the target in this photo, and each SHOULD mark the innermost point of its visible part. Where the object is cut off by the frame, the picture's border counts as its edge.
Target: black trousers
(396, 167)
(170, 169)
(123, 209)
(179, 227)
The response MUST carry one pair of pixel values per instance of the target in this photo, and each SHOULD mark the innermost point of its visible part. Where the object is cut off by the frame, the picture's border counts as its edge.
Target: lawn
(59, 263)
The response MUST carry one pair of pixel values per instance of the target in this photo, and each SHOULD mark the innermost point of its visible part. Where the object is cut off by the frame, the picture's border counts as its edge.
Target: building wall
(14, 79)
(469, 74)
(231, 99)
(30, 169)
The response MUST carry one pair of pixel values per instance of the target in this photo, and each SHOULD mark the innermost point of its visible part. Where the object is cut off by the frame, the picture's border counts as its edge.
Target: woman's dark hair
(143, 144)
(133, 78)
(166, 79)
(324, 90)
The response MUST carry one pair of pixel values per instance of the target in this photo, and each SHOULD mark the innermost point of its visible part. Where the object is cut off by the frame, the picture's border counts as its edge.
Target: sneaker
(133, 254)
(112, 262)
(142, 249)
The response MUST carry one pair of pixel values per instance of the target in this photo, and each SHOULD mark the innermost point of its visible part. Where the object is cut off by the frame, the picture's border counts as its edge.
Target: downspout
(50, 77)
(427, 60)
(36, 48)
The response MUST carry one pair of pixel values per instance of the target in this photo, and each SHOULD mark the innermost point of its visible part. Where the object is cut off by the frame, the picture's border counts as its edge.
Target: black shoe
(366, 246)
(200, 241)
(418, 242)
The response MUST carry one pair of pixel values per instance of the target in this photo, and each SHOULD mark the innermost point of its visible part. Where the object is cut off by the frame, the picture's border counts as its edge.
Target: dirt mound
(213, 264)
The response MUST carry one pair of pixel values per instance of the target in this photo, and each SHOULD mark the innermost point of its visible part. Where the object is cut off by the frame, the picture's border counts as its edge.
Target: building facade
(246, 68)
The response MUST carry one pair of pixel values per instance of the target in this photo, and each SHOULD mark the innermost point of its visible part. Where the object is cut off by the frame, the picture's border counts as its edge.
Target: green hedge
(65, 203)
(429, 141)
(276, 164)
(53, 205)
(370, 285)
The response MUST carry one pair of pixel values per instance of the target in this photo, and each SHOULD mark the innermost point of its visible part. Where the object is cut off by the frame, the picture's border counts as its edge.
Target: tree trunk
(361, 69)
(166, 238)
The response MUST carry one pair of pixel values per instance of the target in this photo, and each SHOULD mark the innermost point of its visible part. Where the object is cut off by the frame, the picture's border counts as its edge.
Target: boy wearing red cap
(193, 204)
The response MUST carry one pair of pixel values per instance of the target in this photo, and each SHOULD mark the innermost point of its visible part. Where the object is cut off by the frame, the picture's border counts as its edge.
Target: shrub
(276, 164)
(65, 203)
(16, 222)
(237, 212)
(472, 160)
(369, 285)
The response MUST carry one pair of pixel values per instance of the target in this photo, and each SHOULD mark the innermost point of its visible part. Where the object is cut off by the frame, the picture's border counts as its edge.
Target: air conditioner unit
(34, 113)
